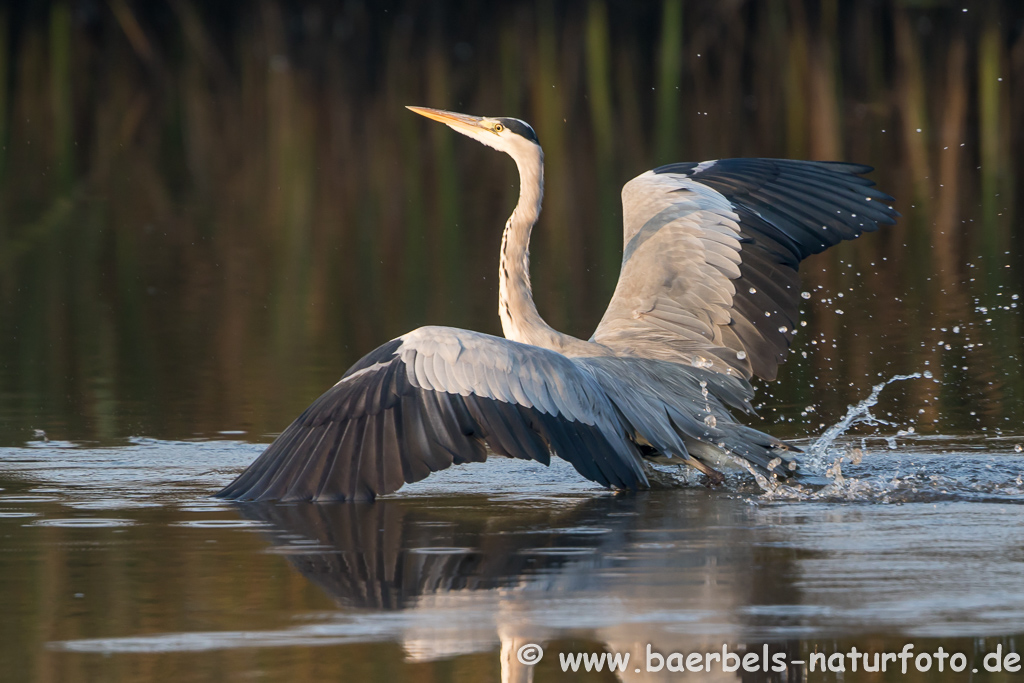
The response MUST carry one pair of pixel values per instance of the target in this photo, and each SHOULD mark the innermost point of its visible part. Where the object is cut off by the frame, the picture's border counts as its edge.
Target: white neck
(520, 320)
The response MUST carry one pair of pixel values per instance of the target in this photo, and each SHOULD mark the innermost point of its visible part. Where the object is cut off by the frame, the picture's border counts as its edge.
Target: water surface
(128, 570)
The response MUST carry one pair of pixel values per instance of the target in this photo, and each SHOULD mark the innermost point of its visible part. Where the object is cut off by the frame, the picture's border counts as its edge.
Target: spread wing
(434, 398)
(711, 252)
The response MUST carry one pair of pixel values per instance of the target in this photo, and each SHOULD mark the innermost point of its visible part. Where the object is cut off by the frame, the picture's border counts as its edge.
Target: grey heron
(707, 299)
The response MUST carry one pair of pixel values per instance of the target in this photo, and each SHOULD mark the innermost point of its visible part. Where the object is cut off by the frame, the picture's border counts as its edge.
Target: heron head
(508, 135)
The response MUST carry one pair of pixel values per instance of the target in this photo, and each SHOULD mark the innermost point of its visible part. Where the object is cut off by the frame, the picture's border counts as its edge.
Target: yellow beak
(450, 118)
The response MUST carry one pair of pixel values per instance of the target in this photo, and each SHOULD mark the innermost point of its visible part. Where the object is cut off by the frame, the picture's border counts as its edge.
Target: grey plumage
(706, 299)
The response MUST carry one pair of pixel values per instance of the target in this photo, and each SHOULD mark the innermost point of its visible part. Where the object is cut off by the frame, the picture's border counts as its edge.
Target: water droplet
(753, 291)
(839, 311)
(711, 421)
(1018, 449)
(805, 295)
(742, 355)
(783, 329)
(927, 374)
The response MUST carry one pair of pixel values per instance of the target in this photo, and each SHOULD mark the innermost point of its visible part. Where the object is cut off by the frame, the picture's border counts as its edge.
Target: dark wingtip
(226, 493)
(847, 167)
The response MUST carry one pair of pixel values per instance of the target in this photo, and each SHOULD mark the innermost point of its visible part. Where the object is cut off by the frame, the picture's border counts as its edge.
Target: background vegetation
(209, 210)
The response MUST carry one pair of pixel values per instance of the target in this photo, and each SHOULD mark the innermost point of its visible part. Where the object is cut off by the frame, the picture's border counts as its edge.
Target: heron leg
(715, 478)
(660, 479)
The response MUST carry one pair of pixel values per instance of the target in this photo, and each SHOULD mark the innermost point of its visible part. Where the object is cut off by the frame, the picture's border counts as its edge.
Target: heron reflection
(461, 575)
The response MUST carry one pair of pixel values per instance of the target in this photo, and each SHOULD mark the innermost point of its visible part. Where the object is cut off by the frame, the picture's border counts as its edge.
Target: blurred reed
(208, 212)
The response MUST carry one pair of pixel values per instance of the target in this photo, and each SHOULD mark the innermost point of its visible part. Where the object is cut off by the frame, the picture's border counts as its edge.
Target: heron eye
(498, 128)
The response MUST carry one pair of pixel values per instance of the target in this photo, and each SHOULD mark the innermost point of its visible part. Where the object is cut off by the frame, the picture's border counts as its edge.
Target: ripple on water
(439, 550)
(222, 523)
(111, 504)
(316, 549)
(84, 522)
(560, 551)
(14, 499)
(580, 530)
(208, 505)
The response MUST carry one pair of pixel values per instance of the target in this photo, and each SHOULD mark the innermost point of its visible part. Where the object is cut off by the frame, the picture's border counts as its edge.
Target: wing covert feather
(433, 398)
(711, 251)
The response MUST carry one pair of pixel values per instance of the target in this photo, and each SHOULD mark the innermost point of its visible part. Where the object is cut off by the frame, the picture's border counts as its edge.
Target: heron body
(707, 298)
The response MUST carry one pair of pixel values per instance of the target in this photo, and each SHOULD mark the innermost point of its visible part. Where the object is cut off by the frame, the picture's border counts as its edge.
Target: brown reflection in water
(455, 557)
(207, 214)
(448, 587)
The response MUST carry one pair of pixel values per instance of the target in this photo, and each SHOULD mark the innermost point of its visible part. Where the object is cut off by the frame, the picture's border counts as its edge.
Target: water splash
(822, 457)
(820, 453)
(927, 469)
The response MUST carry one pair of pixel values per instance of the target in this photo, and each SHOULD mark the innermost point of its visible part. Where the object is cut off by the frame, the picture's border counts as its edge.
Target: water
(206, 215)
(128, 570)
